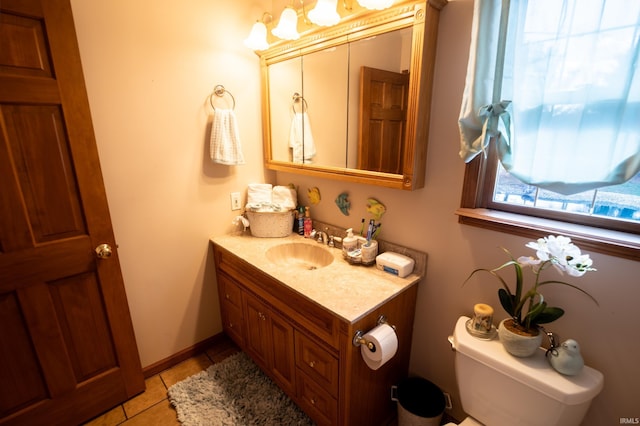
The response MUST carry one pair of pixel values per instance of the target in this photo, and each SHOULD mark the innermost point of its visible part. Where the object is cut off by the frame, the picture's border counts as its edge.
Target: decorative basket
(270, 224)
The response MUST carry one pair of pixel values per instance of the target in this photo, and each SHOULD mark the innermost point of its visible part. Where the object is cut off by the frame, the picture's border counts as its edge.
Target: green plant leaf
(492, 272)
(536, 310)
(549, 314)
(507, 301)
(570, 285)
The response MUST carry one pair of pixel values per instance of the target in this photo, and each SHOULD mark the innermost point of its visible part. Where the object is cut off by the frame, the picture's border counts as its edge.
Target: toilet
(498, 389)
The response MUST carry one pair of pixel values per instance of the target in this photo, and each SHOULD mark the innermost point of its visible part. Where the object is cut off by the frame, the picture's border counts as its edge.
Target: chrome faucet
(322, 237)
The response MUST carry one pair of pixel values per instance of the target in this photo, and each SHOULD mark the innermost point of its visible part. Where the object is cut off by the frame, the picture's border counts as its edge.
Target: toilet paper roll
(385, 344)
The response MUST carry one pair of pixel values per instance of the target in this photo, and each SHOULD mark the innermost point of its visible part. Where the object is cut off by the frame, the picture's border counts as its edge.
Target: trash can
(420, 402)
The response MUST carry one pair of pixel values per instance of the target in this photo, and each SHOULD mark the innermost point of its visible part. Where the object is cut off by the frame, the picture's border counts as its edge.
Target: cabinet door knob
(227, 296)
(313, 401)
(312, 364)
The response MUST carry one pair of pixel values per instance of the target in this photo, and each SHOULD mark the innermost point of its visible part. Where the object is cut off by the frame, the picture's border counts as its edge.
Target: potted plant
(527, 308)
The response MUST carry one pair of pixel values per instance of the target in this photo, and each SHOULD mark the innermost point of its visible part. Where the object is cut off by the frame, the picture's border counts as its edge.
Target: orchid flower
(557, 251)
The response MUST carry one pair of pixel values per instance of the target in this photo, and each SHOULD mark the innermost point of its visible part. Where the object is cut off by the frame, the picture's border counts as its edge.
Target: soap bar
(395, 263)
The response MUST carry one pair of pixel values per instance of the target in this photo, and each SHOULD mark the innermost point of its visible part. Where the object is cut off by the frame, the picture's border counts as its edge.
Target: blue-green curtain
(556, 85)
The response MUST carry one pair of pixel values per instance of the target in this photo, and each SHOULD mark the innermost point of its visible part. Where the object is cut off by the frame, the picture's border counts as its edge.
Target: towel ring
(219, 91)
(297, 99)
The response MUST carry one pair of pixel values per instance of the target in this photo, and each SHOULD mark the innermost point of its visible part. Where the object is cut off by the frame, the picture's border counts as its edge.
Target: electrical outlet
(235, 201)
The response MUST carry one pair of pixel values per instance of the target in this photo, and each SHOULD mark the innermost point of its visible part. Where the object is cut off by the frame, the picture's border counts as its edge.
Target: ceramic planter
(517, 344)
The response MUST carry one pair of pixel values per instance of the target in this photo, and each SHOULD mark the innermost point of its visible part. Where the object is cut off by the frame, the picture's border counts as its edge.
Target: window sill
(613, 243)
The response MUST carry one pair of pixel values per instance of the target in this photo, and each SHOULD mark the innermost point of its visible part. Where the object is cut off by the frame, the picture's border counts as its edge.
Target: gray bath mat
(233, 392)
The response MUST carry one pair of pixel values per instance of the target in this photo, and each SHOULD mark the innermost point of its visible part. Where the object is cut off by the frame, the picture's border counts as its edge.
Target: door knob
(103, 251)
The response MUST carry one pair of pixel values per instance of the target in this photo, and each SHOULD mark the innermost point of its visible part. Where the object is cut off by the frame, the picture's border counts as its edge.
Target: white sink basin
(300, 256)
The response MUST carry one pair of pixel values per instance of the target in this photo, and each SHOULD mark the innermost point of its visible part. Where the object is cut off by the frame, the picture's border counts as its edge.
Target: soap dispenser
(308, 225)
(349, 243)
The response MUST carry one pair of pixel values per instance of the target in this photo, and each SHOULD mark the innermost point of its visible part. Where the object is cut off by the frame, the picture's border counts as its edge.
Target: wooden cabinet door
(270, 342)
(283, 366)
(67, 347)
(258, 339)
(231, 309)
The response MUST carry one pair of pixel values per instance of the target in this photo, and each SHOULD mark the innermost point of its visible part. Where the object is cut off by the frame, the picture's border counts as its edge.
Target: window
(561, 149)
(613, 207)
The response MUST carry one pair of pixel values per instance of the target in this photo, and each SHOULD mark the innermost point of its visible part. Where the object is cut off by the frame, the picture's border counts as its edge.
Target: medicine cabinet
(352, 101)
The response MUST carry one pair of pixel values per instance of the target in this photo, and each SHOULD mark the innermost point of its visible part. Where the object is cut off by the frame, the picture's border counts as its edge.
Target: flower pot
(517, 343)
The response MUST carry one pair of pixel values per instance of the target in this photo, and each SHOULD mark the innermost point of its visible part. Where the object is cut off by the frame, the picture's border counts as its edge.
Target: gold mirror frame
(423, 18)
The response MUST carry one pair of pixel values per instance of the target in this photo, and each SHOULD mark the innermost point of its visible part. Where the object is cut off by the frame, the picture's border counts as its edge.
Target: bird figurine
(376, 208)
(566, 358)
(343, 203)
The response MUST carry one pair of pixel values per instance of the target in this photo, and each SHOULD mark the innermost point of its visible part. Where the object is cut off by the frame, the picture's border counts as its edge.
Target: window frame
(478, 209)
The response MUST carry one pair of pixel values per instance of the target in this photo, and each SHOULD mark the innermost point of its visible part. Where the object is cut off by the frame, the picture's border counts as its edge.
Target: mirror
(308, 102)
(379, 78)
(343, 102)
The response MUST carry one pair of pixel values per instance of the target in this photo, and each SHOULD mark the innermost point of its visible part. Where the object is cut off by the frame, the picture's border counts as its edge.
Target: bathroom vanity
(298, 323)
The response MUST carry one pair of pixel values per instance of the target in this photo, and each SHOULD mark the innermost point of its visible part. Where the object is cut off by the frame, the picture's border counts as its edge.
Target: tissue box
(270, 224)
(395, 263)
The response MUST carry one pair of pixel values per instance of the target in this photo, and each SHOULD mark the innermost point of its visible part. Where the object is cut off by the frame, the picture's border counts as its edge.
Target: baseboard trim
(177, 358)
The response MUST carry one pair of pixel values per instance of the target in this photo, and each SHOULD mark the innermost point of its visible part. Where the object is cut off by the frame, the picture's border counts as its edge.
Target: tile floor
(152, 407)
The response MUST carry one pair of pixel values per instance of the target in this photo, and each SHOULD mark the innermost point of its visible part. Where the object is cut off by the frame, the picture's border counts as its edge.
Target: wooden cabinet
(231, 308)
(270, 341)
(307, 350)
(318, 379)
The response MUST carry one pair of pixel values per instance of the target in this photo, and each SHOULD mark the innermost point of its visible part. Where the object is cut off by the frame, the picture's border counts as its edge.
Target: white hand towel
(301, 138)
(285, 197)
(259, 193)
(224, 146)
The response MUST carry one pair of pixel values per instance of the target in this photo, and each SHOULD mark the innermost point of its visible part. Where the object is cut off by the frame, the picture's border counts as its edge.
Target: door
(383, 116)
(67, 348)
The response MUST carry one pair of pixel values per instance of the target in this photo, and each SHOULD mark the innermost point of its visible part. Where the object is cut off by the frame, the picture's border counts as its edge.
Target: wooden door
(383, 116)
(67, 347)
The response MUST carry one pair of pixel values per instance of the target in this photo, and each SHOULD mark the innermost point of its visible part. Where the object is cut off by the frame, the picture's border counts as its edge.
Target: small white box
(395, 263)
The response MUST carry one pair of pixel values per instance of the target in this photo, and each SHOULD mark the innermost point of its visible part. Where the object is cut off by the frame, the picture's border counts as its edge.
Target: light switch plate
(235, 201)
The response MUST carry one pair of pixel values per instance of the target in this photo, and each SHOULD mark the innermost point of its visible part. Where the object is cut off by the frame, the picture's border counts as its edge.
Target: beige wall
(149, 69)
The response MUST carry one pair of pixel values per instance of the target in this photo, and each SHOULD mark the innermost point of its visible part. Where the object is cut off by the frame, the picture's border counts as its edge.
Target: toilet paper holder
(358, 338)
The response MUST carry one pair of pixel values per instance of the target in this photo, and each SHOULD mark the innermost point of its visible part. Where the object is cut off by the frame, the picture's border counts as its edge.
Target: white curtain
(564, 109)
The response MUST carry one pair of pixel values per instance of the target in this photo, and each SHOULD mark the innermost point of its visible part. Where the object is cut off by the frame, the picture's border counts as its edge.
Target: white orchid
(557, 251)
(562, 254)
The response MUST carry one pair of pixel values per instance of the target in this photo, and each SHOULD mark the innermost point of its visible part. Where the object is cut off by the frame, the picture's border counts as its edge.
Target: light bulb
(257, 39)
(325, 13)
(287, 26)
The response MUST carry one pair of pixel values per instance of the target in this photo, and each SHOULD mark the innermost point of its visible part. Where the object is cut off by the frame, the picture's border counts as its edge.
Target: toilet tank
(498, 389)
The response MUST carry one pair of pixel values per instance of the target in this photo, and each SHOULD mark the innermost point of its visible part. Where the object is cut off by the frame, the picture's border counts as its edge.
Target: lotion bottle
(349, 243)
(308, 225)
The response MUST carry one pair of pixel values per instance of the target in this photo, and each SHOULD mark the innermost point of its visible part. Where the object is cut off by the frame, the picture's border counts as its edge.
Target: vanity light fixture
(325, 13)
(287, 28)
(257, 39)
(375, 4)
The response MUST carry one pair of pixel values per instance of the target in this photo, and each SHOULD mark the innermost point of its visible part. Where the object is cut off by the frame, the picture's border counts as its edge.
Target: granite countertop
(349, 291)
